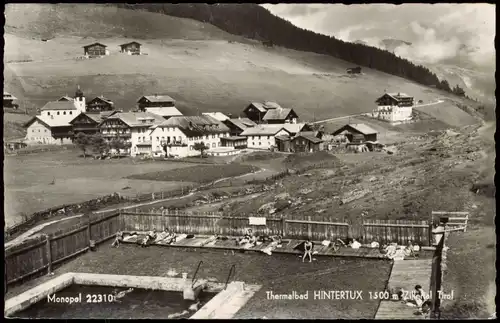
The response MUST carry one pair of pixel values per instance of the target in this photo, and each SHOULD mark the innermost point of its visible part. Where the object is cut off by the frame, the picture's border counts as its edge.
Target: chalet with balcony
(132, 48)
(394, 108)
(285, 143)
(88, 122)
(100, 104)
(155, 101)
(95, 50)
(177, 136)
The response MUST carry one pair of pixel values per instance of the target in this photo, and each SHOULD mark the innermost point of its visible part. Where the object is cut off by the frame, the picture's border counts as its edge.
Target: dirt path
(36, 229)
(39, 227)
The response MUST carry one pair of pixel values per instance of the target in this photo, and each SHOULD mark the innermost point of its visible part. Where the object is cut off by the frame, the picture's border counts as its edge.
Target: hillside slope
(215, 71)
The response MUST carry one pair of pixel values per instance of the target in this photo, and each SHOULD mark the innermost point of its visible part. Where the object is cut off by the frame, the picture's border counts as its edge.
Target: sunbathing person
(410, 251)
(418, 298)
(118, 239)
(390, 250)
(276, 243)
(118, 295)
(162, 235)
(247, 238)
(170, 238)
(355, 244)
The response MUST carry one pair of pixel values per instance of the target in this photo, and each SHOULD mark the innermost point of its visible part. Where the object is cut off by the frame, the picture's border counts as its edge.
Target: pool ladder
(195, 273)
(231, 271)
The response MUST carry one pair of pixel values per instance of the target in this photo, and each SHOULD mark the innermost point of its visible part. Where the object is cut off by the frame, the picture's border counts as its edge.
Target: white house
(394, 107)
(133, 127)
(49, 130)
(264, 136)
(178, 135)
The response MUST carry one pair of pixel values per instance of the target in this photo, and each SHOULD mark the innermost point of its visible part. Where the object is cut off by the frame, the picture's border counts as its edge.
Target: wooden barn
(8, 101)
(280, 115)
(357, 133)
(95, 50)
(256, 111)
(303, 143)
(132, 48)
(154, 101)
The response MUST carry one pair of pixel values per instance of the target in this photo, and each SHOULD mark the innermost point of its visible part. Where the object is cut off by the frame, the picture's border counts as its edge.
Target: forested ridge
(255, 22)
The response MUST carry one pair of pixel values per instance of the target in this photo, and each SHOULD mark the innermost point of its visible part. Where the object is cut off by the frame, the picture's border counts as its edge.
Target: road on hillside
(367, 113)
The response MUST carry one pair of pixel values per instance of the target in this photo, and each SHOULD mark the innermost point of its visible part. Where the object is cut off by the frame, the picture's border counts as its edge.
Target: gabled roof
(264, 130)
(193, 126)
(396, 96)
(359, 127)
(8, 96)
(242, 123)
(165, 111)
(96, 117)
(134, 119)
(263, 107)
(157, 98)
(59, 105)
(132, 42)
(216, 115)
(99, 44)
(102, 98)
(52, 121)
(294, 128)
(277, 114)
(312, 139)
(66, 98)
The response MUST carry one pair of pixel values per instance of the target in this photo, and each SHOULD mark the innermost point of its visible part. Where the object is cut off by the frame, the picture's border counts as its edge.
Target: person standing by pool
(308, 246)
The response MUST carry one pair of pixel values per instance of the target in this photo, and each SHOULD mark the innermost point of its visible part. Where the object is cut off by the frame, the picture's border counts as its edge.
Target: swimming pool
(96, 303)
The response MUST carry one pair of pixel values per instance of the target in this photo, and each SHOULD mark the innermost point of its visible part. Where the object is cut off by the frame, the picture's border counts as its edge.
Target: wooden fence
(43, 252)
(399, 231)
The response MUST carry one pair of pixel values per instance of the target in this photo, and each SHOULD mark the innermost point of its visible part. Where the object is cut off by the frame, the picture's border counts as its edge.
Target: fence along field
(41, 254)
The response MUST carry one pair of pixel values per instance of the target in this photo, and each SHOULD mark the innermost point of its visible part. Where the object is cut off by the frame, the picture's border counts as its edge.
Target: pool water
(96, 303)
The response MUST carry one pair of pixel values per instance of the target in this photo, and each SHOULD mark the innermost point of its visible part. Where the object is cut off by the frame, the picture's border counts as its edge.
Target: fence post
(49, 254)
(309, 228)
(89, 237)
(163, 219)
(283, 227)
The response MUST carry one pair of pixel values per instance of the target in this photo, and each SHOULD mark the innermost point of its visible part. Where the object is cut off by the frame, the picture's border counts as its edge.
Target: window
(190, 147)
(213, 136)
(58, 113)
(33, 130)
(64, 112)
(219, 144)
(157, 138)
(139, 139)
(38, 130)
(268, 137)
(213, 145)
(260, 144)
(71, 112)
(45, 130)
(48, 113)
(253, 143)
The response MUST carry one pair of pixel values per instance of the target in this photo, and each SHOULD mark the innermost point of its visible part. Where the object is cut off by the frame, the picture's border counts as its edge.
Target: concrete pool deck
(224, 305)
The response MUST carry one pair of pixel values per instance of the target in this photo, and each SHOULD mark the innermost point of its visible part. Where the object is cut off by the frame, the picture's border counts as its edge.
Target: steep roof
(164, 111)
(134, 119)
(263, 107)
(396, 96)
(311, 138)
(217, 115)
(99, 44)
(264, 130)
(360, 127)
(132, 42)
(59, 105)
(294, 127)
(157, 98)
(51, 121)
(242, 123)
(66, 98)
(193, 126)
(102, 98)
(277, 114)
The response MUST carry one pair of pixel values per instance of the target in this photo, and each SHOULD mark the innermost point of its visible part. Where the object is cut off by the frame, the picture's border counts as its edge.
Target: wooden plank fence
(382, 231)
(43, 252)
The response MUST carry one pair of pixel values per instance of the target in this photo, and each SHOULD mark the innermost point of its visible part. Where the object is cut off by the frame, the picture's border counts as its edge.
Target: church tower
(80, 100)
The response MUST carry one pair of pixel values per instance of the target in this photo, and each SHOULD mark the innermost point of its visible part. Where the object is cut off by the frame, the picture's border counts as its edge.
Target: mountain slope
(214, 72)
